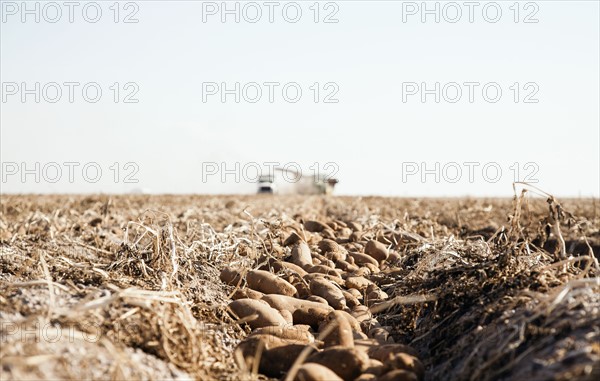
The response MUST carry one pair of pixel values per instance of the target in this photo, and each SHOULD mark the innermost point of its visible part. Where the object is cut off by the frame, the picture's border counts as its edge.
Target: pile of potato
(308, 308)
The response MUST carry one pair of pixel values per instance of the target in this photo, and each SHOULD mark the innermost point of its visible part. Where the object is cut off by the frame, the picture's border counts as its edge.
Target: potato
(354, 324)
(328, 291)
(231, 276)
(266, 315)
(327, 245)
(246, 293)
(332, 278)
(362, 271)
(398, 375)
(322, 269)
(360, 258)
(372, 268)
(377, 250)
(324, 260)
(330, 249)
(296, 333)
(328, 233)
(318, 299)
(351, 300)
(380, 334)
(364, 345)
(269, 283)
(355, 226)
(366, 377)
(288, 305)
(374, 295)
(361, 313)
(357, 294)
(358, 282)
(375, 367)
(393, 257)
(315, 372)
(315, 226)
(301, 255)
(405, 361)
(302, 289)
(277, 357)
(341, 333)
(292, 239)
(382, 352)
(395, 272)
(281, 266)
(347, 363)
(291, 267)
(345, 266)
(312, 316)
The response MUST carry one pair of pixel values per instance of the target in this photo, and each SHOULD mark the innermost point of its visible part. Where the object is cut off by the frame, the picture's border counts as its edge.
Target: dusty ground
(127, 287)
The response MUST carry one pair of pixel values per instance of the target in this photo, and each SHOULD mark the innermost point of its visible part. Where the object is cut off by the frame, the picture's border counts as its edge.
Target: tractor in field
(286, 181)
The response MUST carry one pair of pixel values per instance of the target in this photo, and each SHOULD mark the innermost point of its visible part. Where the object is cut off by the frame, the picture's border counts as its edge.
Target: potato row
(308, 308)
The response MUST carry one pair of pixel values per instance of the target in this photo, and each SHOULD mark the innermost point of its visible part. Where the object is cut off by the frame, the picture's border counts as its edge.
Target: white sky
(369, 53)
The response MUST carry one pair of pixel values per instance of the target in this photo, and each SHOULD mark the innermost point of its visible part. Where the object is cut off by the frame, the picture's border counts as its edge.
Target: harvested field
(141, 287)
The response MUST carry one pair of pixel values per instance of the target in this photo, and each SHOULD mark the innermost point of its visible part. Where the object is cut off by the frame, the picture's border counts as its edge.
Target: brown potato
(360, 258)
(351, 300)
(374, 295)
(354, 324)
(328, 233)
(266, 315)
(332, 278)
(405, 361)
(288, 304)
(246, 293)
(318, 299)
(323, 269)
(345, 266)
(357, 294)
(327, 245)
(315, 372)
(292, 239)
(231, 276)
(380, 334)
(324, 260)
(372, 268)
(277, 356)
(398, 375)
(358, 282)
(315, 226)
(375, 367)
(393, 257)
(355, 226)
(377, 250)
(281, 266)
(347, 363)
(327, 290)
(341, 333)
(296, 333)
(312, 316)
(302, 289)
(269, 283)
(366, 377)
(382, 352)
(362, 271)
(301, 255)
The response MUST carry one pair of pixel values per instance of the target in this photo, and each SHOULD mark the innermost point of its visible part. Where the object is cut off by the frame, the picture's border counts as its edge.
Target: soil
(127, 287)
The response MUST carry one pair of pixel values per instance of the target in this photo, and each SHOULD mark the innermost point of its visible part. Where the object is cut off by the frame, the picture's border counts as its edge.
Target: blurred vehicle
(266, 184)
(301, 184)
